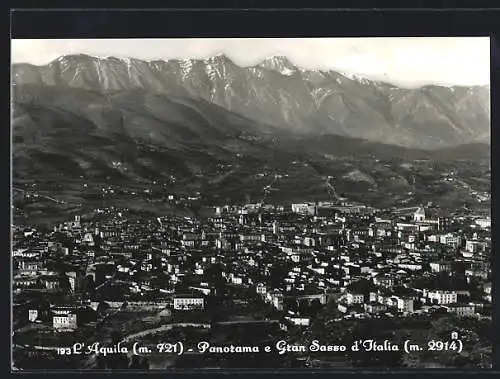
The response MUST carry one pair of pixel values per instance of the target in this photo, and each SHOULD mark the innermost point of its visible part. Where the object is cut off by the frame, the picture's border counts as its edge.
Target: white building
(440, 266)
(442, 297)
(355, 298)
(304, 208)
(484, 222)
(419, 215)
(450, 240)
(300, 321)
(65, 321)
(88, 239)
(405, 304)
(32, 315)
(462, 310)
(261, 289)
(186, 302)
(474, 246)
(276, 298)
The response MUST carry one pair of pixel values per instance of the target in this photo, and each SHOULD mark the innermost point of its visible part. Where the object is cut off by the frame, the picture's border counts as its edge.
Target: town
(251, 273)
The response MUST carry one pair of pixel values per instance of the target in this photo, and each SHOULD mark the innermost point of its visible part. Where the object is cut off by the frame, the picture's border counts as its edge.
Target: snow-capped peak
(279, 63)
(220, 59)
(356, 77)
(287, 71)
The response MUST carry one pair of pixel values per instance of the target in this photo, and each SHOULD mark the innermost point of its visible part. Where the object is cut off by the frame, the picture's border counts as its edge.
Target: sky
(411, 61)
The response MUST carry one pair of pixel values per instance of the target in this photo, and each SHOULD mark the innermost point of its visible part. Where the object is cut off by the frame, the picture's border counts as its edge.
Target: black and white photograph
(251, 203)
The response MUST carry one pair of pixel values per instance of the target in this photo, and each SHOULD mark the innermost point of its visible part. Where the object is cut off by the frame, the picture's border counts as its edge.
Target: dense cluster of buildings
(369, 263)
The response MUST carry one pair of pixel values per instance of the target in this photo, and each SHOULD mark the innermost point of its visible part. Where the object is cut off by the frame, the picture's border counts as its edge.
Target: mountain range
(278, 93)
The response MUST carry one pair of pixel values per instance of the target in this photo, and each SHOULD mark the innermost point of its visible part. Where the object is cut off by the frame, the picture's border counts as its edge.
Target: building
(276, 228)
(462, 310)
(76, 281)
(440, 266)
(309, 241)
(355, 298)
(304, 209)
(484, 222)
(276, 298)
(32, 315)
(243, 219)
(475, 246)
(419, 215)
(383, 280)
(76, 223)
(191, 240)
(188, 302)
(450, 240)
(405, 304)
(20, 282)
(299, 321)
(49, 281)
(261, 289)
(30, 265)
(375, 307)
(406, 227)
(88, 239)
(65, 321)
(442, 297)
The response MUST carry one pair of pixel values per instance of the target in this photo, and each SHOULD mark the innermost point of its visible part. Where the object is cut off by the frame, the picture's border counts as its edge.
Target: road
(35, 194)
(248, 322)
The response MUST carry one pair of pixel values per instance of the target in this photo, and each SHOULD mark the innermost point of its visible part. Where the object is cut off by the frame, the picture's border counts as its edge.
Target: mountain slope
(275, 92)
(85, 129)
(66, 137)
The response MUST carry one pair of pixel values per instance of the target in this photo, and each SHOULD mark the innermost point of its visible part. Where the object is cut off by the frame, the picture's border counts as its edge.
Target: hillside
(66, 137)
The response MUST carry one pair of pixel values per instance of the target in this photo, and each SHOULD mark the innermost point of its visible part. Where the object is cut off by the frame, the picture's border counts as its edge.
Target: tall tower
(275, 227)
